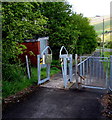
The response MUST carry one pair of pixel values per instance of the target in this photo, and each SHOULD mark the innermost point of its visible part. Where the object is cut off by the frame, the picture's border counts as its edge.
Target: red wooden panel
(35, 48)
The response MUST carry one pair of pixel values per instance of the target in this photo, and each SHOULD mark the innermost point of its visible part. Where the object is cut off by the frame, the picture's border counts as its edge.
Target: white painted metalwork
(43, 64)
(27, 66)
(95, 71)
(66, 60)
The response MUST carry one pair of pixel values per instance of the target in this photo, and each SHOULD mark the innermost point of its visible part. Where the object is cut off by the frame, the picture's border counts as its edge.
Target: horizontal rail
(83, 56)
(100, 57)
(104, 60)
(83, 61)
(86, 86)
(92, 57)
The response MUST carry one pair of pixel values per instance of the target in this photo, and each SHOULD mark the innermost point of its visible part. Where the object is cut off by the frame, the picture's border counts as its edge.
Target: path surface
(56, 103)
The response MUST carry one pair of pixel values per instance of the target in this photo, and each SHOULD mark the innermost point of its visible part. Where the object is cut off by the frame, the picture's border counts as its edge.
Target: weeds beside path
(12, 87)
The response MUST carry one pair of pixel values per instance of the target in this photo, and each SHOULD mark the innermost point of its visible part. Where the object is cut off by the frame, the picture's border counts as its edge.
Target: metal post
(27, 66)
(83, 68)
(65, 72)
(80, 69)
(48, 71)
(87, 71)
(38, 68)
(70, 67)
(76, 70)
(107, 78)
(110, 73)
(103, 39)
(93, 68)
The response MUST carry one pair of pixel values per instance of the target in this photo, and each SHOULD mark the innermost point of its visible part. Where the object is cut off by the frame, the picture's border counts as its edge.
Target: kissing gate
(91, 72)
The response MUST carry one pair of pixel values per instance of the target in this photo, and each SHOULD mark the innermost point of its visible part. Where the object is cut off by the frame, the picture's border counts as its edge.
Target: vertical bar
(27, 66)
(38, 68)
(87, 71)
(97, 70)
(110, 73)
(76, 70)
(83, 71)
(98, 66)
(107, 79)
(48, 71)
(92, 70)
(80, 66)
(65, 72)
(80, 69)
(70, 68)
(103, 38)
(83, 68)
(100, 75)
(103, 72)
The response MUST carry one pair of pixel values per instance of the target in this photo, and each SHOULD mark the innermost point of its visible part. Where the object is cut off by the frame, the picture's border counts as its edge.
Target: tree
(68, 29)
(20, 20)
(87, 39)
(60, 32)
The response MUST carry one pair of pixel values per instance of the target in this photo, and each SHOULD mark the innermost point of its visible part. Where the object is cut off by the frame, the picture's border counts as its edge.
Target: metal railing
(94, 72)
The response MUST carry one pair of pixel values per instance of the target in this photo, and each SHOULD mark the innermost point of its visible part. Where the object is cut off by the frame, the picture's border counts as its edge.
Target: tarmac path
(58, 103)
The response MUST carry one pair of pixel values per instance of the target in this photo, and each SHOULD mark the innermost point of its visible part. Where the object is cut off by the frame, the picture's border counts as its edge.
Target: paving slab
(57, 82)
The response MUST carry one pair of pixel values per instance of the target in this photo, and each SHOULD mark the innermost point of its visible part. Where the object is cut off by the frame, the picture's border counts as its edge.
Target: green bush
(12, 72)
(20, 20)
(12, 87)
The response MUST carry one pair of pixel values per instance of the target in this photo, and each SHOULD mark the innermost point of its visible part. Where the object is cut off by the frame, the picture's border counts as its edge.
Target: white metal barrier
(66, 59)
(44, 61)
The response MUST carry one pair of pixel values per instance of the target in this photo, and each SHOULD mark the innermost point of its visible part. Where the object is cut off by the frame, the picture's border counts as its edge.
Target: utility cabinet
(34, 48)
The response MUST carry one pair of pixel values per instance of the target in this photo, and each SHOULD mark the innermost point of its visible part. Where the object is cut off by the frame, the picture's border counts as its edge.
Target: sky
(91, 8)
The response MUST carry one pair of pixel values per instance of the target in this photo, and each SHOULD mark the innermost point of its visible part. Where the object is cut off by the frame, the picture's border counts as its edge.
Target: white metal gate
(95, 72)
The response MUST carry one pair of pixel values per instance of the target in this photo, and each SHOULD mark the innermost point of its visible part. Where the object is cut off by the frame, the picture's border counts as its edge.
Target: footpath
(50, 100)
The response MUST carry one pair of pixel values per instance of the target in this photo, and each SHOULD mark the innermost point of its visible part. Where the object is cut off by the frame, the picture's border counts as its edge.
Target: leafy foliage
(26, 20)
(87, 39)
(20, 20)
(68, 29)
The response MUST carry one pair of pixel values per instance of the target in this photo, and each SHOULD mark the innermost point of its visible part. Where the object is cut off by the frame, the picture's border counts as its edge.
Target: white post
(110, 83)
(27, 66)
(38, 69)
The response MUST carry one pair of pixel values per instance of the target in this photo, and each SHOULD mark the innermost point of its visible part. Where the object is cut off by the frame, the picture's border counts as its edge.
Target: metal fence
(95, 72)
(110, 79)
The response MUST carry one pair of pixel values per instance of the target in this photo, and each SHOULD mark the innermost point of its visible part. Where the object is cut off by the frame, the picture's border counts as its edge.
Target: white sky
(91, 8)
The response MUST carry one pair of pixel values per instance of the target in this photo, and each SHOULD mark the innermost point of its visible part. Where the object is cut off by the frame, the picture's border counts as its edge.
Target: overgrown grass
(12, 87)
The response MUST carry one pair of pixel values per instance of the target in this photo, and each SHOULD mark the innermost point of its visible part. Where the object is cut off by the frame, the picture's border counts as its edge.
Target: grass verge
(12, 87)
